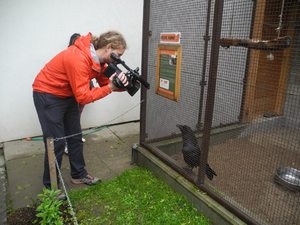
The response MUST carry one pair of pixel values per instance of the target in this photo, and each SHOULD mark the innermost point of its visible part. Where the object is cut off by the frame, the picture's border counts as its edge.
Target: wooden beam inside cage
(267, 45)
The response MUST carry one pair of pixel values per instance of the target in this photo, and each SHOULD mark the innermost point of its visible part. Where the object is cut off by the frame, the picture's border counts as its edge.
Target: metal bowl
(288, 177)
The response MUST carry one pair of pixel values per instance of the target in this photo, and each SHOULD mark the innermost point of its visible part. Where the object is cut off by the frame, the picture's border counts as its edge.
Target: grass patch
(135, 197)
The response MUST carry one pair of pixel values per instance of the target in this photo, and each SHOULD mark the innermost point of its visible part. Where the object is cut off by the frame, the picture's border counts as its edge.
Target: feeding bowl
(288, 177)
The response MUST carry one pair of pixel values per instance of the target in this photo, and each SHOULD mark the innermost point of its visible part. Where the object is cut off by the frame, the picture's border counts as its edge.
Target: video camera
(133, 76)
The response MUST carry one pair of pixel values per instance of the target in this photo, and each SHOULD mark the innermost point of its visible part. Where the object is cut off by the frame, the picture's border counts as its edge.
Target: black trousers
(60, 117)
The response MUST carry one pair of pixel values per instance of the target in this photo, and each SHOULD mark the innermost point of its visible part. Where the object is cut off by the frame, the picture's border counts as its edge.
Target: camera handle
(117, 82)
(110, 70)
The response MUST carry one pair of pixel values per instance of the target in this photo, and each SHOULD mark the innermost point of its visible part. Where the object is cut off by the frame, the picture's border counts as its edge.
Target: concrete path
(107, 154)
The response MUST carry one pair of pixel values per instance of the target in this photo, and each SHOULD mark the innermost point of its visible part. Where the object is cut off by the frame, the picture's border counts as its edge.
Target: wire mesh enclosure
(234, 128)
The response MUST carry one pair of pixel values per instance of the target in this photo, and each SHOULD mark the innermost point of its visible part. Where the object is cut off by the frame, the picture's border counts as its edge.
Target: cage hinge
(203, 83)
(206, 38)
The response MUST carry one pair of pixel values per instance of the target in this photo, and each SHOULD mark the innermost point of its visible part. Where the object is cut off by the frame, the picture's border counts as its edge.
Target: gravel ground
(246, 168)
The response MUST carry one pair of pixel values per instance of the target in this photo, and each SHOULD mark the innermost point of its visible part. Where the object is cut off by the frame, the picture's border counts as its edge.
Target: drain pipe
(203, 83)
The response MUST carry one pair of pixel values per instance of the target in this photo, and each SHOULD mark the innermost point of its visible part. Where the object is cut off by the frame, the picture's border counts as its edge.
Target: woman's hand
(122, 77)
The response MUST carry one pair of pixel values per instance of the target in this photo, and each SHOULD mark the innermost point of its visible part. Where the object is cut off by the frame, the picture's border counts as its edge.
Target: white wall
(33, 31)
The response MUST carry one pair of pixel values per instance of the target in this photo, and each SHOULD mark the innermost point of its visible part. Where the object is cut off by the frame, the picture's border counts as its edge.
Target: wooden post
(51, 161)
(257, 33)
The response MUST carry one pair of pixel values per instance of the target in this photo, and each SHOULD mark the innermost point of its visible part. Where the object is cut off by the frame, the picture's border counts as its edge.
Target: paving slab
(22, 149)
(107, 154)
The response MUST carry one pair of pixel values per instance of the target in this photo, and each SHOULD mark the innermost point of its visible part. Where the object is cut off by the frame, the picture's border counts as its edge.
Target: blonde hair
(110, 37)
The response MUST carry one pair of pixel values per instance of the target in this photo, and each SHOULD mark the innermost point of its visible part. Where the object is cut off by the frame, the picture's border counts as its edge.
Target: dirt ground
(246, 168)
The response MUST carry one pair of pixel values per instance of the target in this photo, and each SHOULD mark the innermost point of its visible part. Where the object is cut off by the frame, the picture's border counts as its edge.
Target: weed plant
(135, 197)
(48, 211)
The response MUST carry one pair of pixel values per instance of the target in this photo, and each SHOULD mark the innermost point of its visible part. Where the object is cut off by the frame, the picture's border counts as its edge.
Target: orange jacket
(69, 74)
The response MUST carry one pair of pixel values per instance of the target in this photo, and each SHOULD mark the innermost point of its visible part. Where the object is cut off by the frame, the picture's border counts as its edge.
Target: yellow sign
(168, 71)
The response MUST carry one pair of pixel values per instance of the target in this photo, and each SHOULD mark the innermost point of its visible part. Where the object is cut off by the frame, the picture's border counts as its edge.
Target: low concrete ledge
(206, 205)
(3, 186)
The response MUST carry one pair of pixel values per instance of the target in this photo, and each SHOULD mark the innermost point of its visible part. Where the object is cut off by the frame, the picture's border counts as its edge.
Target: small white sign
(163, 83)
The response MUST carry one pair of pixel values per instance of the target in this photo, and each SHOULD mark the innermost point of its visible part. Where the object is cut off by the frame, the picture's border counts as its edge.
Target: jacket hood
(84, 44)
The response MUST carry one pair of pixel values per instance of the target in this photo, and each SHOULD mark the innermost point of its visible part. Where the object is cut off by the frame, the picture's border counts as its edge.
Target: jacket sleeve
(78, 69)
(102, 80)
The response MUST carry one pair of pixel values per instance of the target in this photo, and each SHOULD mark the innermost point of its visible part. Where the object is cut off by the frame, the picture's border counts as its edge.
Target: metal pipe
(203, 82)
(210, 100)
(213, 70)
(145, 46)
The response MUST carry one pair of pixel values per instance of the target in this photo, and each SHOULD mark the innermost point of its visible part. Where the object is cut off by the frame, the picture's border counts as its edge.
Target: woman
(62, 84)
